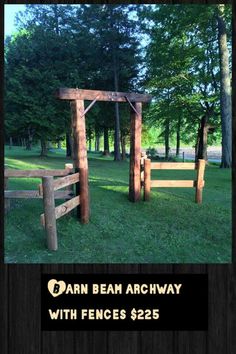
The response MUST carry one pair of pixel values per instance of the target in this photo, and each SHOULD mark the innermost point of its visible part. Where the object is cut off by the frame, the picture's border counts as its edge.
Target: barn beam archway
(77, 98)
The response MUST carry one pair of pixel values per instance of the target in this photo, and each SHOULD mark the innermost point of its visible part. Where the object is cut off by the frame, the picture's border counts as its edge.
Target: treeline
(177, 53)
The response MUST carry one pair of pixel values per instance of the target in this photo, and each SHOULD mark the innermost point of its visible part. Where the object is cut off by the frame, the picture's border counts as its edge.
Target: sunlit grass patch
(171, 228)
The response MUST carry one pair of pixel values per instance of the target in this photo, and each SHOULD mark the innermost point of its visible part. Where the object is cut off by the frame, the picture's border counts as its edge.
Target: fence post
(200, 178)
(6, 201)
(147, 179)
(143, 157)
(49, 212)
(80, 158)
(135, 153)
(70, 168)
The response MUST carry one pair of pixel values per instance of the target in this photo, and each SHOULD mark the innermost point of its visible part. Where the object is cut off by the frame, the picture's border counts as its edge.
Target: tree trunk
(201, 146)
(225, 91)
(97, 141)
(106, 142)
(123, 143)
(89, 135)
(68, 145)
(59, 144)
(29, 140)
(90, 143)
(10, 143)
(43, 148)
(178, 137)
(167, 139)
(28, 145)
(117, 156)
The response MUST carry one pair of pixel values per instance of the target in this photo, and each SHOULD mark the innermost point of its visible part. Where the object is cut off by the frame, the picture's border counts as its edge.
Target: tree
(30, 105)
(116, 54)
(37, 63)
(82, 46)
(225, 92)
(182, 61)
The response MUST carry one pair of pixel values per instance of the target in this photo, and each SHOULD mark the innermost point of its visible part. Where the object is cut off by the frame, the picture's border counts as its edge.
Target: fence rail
(198, 183)
(22, 194)
(48, 191)
(35, 173)
(173, 166)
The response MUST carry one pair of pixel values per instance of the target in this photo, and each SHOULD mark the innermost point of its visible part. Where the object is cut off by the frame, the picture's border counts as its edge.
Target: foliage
(66, 46)
(183, 67)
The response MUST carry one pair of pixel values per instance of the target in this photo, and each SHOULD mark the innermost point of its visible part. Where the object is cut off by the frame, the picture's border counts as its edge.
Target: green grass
(170, 228)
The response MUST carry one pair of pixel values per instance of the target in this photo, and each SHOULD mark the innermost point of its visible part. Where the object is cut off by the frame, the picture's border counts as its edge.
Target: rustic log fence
(148, 183)
(48, 191)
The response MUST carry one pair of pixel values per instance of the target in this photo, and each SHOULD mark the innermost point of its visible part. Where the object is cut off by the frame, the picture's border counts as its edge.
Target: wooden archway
(77, 98)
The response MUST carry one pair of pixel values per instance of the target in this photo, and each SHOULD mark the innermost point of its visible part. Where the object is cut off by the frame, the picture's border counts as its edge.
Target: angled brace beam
(89, 106)
(131, 105)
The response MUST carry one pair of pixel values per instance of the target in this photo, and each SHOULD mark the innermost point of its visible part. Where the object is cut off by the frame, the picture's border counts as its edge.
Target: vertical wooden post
(200, 179)
(147, 179)
(80, 159)
(6, 201)
(143, 157)
(49, 212)
(70, 168)
(135, 153)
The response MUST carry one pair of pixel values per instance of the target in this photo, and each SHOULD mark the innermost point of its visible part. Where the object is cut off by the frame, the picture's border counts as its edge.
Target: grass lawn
(170, 228)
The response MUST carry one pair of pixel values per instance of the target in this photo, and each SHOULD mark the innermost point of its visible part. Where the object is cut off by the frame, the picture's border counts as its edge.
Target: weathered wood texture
(173, 183)
(62, 182)
(173, 166)
(35, 173)
(20, 305)
(135, 153)
(65, 181)
(49, 212)
(80, 159)
(194, 342)
(147, 179)
(23, 309)
(78, 94)
(62, 342)
(200, 181)
(63, 209)
(35, 194)
(70, 188)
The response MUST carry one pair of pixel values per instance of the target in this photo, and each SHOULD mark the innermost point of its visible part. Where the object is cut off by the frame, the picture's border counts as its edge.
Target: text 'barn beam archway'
(77, 98)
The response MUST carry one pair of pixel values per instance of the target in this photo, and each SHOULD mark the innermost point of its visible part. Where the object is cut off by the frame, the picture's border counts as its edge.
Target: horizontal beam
(65, 181)
(178, 183)
(22, 194)
(174, 166)
(35, 173)
(62, 182)
(63, 209)
(90, 95)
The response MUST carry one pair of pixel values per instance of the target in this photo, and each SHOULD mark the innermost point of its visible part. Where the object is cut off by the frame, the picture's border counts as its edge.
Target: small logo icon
(56, 288)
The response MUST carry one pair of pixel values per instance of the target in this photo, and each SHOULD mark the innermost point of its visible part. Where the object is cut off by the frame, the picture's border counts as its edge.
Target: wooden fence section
(48, 191)
(63, 209)
(52, 213)
(36, 173)
(198, 183)
(12, 194)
